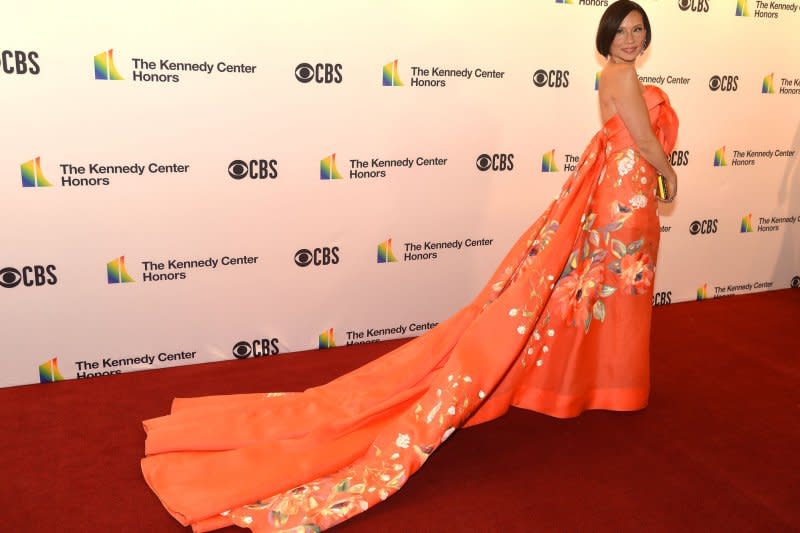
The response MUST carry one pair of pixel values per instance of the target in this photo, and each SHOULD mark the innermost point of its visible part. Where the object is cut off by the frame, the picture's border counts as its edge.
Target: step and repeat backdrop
(185, 182)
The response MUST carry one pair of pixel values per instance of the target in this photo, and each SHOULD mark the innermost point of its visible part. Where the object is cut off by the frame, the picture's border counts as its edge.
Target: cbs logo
(679, 158)
(703, 227)
(320, 73)
(317, 256)
(698, 6)
(28, 276)
(723, 83)
(19, 62)
(497, 162)
(551, 78)
(257, 169)
(256, 348)
(795, 282)
(662, 298)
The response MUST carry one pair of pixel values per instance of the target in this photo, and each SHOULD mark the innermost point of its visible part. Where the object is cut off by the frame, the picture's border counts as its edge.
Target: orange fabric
(562, 326)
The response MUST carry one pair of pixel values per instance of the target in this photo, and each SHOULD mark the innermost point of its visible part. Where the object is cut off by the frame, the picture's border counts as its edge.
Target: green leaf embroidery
(607, 291)
(598, 256)
(599, 310)
(635, 246)
(618, 248)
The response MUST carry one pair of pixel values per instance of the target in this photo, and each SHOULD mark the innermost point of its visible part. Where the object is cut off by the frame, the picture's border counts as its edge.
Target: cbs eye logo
(318, 256)
(723, 83)
(257, 169)
(256, 348)
(551, 78)
(28, 276)
(320, 73)
(698, 6)
(795, 282)
(497, 162)
(703, 227)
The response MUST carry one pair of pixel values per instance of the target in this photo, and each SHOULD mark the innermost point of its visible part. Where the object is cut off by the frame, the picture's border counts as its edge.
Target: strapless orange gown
(562, 326)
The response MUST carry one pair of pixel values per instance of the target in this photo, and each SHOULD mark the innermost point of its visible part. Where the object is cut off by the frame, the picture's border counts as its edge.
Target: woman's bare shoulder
(616, 77)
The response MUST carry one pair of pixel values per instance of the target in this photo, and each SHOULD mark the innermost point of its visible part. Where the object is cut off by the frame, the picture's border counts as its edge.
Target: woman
(563, 326)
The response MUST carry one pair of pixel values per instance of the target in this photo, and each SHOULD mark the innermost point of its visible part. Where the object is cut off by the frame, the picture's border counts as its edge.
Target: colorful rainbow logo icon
(390, 76)
(565, 1)
(768, 86)
(326, 340)
(719, 158)
(747, 224)
(104, 68)
(549, 161)
(116, 271)
(741, 8)
(328, 170)
(702, 292)
(385, 254)
(48, 372)
(32, 175)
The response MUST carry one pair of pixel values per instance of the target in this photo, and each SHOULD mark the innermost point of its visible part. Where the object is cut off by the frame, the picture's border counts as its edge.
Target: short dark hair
(612, 18)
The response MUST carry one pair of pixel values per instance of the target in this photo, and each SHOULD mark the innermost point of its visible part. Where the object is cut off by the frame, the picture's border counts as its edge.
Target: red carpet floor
(718, 449)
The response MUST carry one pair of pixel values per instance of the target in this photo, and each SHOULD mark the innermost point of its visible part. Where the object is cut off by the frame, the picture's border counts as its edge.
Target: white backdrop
(156, 166)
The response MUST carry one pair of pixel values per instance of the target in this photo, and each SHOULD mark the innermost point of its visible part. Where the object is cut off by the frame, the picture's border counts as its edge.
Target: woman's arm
(631, 107)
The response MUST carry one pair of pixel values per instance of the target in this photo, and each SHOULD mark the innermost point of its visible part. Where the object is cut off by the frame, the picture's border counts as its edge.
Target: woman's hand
(671, 189)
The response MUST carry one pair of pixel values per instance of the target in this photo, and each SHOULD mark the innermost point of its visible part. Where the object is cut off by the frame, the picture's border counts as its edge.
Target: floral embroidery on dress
(626, 162)
(636, 273)
(638, 201)
(577, 292)
(402, 441)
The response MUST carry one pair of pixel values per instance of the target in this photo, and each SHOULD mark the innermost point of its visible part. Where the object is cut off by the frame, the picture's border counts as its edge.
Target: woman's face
(629, 40)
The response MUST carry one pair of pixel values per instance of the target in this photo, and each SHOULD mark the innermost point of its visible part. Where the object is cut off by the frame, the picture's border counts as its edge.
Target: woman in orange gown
(562, 326)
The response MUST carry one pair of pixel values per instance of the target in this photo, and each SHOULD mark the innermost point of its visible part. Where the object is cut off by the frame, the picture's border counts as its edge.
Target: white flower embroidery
(638, 201)
(402, 440)
(625, 164)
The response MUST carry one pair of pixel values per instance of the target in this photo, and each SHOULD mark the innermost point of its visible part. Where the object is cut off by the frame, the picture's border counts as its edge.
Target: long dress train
(562, 326)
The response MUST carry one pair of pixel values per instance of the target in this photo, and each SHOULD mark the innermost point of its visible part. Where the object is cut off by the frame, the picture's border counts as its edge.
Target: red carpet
(716, 450)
